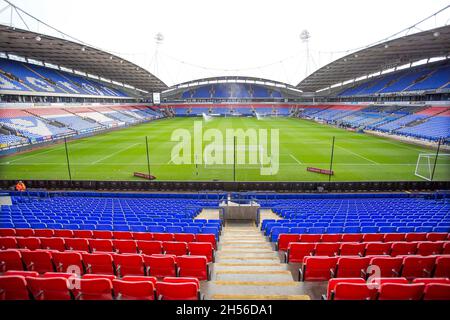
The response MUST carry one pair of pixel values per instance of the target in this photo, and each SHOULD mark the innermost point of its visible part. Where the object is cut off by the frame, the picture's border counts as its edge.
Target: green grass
(116, 155)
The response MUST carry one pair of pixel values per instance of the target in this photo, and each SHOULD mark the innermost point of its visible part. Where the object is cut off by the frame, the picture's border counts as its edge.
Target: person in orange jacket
(20, 186)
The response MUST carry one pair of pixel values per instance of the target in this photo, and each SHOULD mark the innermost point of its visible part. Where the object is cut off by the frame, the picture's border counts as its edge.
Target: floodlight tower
(305, 36)
(159, 39)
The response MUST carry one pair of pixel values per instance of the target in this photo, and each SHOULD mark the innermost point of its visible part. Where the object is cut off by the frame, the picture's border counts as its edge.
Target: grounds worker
(20, 186)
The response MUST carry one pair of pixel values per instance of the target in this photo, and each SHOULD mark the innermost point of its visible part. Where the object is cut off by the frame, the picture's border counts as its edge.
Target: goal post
(430, 166)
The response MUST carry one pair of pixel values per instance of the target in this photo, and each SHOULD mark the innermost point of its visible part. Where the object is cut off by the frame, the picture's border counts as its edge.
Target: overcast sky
(206, 38)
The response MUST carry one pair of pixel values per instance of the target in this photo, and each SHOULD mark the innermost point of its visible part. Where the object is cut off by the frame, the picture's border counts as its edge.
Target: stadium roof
(77, 56)
(382, 56)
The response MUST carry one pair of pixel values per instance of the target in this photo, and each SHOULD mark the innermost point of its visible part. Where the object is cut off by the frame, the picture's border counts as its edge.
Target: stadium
(118, 186)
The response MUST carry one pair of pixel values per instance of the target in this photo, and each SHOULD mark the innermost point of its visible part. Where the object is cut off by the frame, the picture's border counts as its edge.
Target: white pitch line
(358, 155)
(114, 153)
(296, 160)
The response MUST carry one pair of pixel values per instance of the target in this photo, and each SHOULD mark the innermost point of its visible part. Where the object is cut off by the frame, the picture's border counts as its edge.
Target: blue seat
(174, 229)
(405, 229)
(121, 227)
(332, 230)
(423, 229)
(298, 230)
(39, 226)
(441, 229)
(71, 226)
(387, 229)
(56, 226)
(87, 227)
(352, 229)
(209, 230)
(22, 225)
(137, 228)
(189, 229)
(369, 229)
(156, 229)
(316, 230)
(276, 232)
(6, 225)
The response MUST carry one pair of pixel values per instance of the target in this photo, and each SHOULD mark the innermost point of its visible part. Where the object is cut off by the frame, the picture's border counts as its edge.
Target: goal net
(426, 168)
(206, 117)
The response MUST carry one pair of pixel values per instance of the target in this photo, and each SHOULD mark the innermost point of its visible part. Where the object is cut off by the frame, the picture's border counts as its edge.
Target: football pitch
(116, 155)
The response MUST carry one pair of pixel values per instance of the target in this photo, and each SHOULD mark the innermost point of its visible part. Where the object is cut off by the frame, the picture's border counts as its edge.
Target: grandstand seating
(231, 91)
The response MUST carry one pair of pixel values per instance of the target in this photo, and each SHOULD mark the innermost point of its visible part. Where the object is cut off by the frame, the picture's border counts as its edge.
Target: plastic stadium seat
(102, 234)
(70, 262)
(129, 265)
(109, 277)
(335, 230)
(64, 233)
(77, 244)
(87, 227)
(352, 267)
(373, 237)
(140, 278)
(53, 244)
(436, 291)
(428, 229)
(403, 248)
(285, 239)
(48, 233)
(331, 237)
(352, 237)
(95, 289)
(174, 229)
(10, 260)
(298, 250)
(431, 280)
(136, 290)
(378, 248)
(429, 248)
(101, 245)
(409, 237)
(191, 229)
(437, 236)
(13, 288)
(389, 266)
(387, 229)
(98, 263)
(184, 237)
(85, 234)
(30, 243)
(149, 247)
(160, 265)
(21, 273)
(327, 249)
(211, 230)
(353, 291)
(121, 227)
(201, 249)
(418, 267)
(156, 229)
(274, 234)
(125, 246)
(71, 226)
(8, 243)
(317, 230)
(193, 266)
(399, 291)
(138, 228)
(442, 267)
(318, 268)
(145, 236)
(177, 291)
(8, 232)
(436, 229)
(298, 230)
(446, 248)
(123, 235)
(369, 229)
(163, 236)
(40, 261)
(405, 229)
(394, 237)
(207, 238)
(175, 248)
(49, 288)
(352, 249)
(310, 238)
(26, 232)
(333, 282)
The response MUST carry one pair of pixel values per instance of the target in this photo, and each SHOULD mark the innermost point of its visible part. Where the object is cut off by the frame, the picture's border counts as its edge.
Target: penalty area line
(296, 160)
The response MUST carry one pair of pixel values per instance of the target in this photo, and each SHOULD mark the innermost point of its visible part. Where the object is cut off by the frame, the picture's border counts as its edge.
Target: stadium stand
(231, 91)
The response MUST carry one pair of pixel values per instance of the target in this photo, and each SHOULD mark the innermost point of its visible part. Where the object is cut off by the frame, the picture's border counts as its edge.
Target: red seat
(101, 245)
(193, 266)
(129, 264)
(13, 288)
(377, 248)
(7, 232)
(53, 244)
(318, 268)
(176, 291)
(110, 277)
(8, 243)
(333, 282)
(331, 238)
(30, 243)
(98, 263)
(10, 260)
(394, 237)
(352, 267)
(403, 248)
(123, 235)
(64, 233)
(125, 246)
(415, 237)
(21, 273)
(184, 237)
(446, 248)
(102, 234)
(160, 265)
(310, 238)
(442, 267)
(285, 239)
(40, 261)
(175, 248)
(85, 234)
(163, 236)
(389, 266)
(182, 280)
(207, 238)
(77, 244)
(437, 236)
(326, 249)
(436, 291)
(70, 262)
(136, 290)
(354, 291)
(149, 247)
(376, 282)
(24, 232)
(418, 267)
(142, 236)
(399, 291)
(49, 288)
(298, 250)
(428, 248)
(44, 233)
(352, 249)
(352, 237)
(95, 289)
(431, 280)
(64, 275)
(201, 249)
(373, 237)
(140, 278)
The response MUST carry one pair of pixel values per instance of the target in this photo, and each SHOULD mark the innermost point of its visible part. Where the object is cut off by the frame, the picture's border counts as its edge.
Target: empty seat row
(285, 239)
(157, 265)
(325, 268)
(388, 289)
(297, 250)
(60, 286)
(104, 245)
